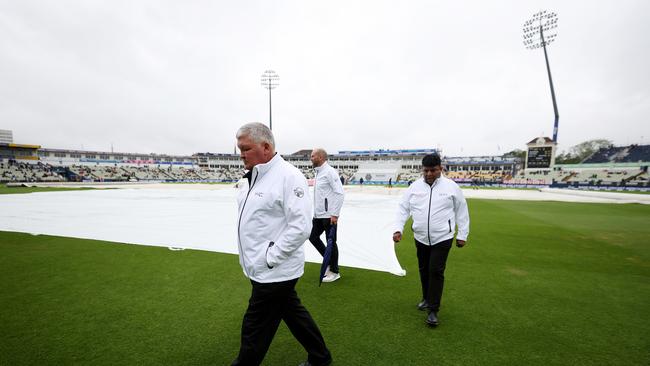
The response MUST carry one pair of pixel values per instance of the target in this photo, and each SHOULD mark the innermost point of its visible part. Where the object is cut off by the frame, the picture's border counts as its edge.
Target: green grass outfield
(16, 190)
(540, 283)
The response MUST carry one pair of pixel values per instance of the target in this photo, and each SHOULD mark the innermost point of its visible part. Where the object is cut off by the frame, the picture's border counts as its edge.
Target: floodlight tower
(270, 81)
(539, 31)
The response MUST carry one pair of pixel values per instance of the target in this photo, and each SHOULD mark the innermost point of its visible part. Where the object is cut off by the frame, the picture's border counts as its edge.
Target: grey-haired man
(274, 222)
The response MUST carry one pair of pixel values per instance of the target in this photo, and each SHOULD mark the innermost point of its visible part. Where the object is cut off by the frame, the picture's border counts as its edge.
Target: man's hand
(397, 236)
(334, 220)
(460, 243)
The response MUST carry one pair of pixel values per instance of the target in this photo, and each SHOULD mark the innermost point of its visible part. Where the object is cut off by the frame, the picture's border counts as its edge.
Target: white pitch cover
(193, 219)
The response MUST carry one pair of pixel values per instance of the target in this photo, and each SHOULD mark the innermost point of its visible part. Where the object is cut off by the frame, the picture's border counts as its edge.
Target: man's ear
(267, 147)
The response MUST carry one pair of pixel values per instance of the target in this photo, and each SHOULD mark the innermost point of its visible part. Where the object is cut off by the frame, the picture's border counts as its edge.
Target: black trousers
(318, 226)
(269, 304)
(432, 260)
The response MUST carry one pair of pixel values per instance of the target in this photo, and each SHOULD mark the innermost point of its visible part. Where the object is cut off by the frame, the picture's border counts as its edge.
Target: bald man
(328, 200)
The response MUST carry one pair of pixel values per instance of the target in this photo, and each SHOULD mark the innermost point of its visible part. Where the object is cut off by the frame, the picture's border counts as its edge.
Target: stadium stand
(605, 155)
(638, 153)
(611, 166)
(409, 175)
(379, 170)
(586, 175)
(625, 154)
(494, 176)
(12, 171)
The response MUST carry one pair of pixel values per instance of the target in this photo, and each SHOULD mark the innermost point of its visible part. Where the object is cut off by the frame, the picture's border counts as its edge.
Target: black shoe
(432, 319)
(423, 305)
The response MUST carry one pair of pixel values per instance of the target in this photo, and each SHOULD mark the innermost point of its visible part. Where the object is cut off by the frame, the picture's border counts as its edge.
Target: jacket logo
(299, 192)
(259, 194)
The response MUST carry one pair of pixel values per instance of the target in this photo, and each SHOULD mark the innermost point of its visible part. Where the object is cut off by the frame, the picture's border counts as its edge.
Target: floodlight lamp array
(270, 80)
(539, 31)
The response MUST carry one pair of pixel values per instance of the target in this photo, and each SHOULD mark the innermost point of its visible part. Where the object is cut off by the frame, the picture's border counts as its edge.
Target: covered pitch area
(541, 282)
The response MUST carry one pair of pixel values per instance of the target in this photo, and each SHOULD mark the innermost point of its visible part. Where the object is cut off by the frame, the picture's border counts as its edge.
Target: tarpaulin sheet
(192, 219)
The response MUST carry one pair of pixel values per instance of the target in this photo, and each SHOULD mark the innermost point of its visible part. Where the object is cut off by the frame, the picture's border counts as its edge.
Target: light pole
(538, 32)
(270, 81)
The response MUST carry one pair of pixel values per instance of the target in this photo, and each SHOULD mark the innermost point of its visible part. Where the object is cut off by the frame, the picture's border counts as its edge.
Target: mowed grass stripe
(540, 283)
(4, 189)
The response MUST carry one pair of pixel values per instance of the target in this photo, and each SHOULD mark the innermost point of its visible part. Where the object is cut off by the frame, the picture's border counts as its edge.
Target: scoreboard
(539, 157)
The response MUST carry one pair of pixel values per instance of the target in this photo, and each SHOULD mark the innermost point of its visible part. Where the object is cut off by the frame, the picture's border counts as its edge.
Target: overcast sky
(181, 76)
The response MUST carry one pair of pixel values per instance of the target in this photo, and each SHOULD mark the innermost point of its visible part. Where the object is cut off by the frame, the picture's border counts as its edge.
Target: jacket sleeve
(403, 211)
(337, 193)
(297, 213)
(461, 213)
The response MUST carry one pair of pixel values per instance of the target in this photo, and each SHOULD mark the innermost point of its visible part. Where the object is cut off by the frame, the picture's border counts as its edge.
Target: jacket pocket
(326, 204)
(266, 255)
(418, 226)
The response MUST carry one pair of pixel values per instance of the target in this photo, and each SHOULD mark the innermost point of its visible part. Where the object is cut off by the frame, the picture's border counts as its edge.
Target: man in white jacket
(328, 199)
(274, 222)
(437, 206)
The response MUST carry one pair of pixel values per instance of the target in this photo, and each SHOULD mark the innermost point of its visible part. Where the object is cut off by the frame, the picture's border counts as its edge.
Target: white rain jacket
(328, 192)
(274, 222)
(436, 211)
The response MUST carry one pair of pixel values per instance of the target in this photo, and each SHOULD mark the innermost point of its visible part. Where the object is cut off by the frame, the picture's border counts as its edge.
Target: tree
(516, 153)
(566, 158)
(581, 151)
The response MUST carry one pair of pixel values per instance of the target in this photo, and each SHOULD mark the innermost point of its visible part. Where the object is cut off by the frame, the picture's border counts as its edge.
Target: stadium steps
(168, 175)
(634, 177)
(569, 177)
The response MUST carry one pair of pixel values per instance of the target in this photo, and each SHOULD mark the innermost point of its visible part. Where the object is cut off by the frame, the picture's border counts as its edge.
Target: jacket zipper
(315, 184)
(429, 215)
(325, 204)
(241, 250)
(449, 222)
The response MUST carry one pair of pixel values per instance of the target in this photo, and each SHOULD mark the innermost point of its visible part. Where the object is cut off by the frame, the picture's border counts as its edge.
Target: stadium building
(609, 167)
(6, 137)
(623, 167)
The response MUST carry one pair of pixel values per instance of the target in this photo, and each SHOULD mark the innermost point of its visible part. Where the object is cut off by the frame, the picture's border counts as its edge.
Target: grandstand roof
(388, 152)
(21, 146)
(491, 159)
(534, 141)
(111, 153)
(303, 152)
(208, 154)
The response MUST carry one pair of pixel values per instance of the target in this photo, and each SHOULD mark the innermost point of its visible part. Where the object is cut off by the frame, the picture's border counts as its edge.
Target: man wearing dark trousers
(274, 222)
(328, 199)
(437, 206)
